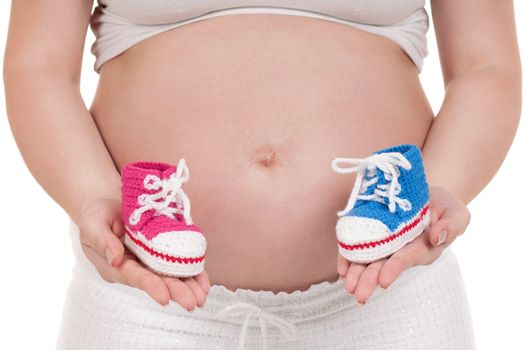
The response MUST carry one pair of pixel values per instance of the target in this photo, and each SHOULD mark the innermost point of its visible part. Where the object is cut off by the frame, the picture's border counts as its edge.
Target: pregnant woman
(259, 97)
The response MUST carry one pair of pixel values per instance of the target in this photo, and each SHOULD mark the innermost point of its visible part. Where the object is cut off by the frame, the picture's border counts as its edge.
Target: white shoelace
(241, 308)
(386, 162)
(170, 190)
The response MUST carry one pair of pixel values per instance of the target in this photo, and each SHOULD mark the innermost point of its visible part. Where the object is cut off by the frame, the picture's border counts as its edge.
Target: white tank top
(119, 24)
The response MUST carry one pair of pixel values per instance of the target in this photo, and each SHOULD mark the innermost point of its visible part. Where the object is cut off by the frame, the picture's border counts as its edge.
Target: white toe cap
(353, 230)
(181, 243)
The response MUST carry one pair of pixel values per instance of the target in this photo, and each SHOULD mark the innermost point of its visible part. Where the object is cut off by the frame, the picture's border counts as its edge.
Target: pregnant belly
(259, 105)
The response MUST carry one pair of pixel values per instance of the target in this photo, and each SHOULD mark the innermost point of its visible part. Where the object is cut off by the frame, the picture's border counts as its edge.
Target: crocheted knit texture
(156, 214)
(388, 207)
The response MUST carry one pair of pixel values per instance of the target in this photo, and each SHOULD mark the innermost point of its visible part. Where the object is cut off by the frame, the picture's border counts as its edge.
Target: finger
(437, 207)
(412, 254)
(180, 292)
(199, 293)
(118, 228)
(368, 281)
(99, 236)
(129, 255)
(203, 280)
(130, 273)
(352, 277)
(438, 233)
(451, 224)
(433, 217)
(343, 265)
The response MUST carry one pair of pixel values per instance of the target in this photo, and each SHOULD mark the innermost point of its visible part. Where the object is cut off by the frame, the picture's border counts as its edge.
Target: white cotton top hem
(115, 34)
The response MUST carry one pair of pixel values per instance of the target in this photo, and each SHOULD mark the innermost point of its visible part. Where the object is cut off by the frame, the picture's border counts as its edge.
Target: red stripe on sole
(390, 238)
(164, 256)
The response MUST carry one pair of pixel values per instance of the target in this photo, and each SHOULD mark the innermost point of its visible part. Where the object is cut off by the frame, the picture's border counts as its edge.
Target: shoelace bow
(240, 308)
(170, 190)
(387, 163)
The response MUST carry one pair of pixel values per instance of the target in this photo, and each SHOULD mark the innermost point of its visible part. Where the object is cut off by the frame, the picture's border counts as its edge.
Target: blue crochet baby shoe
(388, 206)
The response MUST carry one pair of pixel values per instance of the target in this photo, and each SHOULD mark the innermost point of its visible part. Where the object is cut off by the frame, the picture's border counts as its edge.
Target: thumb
(104, 239)
(438, 232)
(118, 228)
(119, 231)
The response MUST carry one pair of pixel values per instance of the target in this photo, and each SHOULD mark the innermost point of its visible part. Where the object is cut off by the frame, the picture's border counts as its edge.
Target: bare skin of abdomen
(259, 106)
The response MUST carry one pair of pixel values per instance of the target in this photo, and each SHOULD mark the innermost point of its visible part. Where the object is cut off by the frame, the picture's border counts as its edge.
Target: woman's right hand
(101, 231)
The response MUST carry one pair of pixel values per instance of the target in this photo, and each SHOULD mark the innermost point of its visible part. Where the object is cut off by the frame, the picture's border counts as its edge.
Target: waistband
(283, 310)
(298, 305)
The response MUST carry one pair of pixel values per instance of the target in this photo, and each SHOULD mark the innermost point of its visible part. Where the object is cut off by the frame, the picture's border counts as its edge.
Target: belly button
(265, 157)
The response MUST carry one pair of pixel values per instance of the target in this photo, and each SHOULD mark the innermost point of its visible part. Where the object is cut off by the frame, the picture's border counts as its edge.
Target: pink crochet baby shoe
(156, 214)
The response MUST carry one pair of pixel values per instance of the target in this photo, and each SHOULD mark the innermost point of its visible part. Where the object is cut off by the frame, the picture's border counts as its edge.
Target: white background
(36, 258)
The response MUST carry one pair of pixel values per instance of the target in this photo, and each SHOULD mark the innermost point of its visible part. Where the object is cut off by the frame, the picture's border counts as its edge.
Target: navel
(265, 157)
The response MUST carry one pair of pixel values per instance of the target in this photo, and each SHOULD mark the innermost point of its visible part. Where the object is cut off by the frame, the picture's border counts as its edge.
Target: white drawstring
(170, 190)
(240, 308)
(386, 162)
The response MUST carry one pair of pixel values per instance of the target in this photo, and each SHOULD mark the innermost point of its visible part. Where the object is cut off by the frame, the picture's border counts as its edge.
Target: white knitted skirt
(426, 308)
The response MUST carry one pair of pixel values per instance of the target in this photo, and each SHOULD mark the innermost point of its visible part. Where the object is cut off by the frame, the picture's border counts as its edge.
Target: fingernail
(109, 256)
(442, 237)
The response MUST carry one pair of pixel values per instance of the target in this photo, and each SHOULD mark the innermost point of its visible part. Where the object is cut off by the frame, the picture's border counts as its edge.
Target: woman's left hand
(449, 217)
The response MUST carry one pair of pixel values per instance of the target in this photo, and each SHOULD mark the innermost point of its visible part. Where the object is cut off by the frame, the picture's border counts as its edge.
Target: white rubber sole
(160, 262)
(366, 252)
